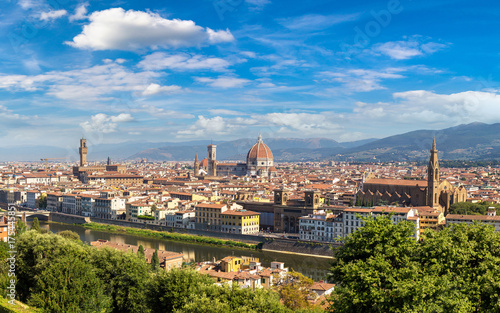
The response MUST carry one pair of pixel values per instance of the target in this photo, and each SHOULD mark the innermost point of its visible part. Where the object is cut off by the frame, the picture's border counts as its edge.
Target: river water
(313, 267)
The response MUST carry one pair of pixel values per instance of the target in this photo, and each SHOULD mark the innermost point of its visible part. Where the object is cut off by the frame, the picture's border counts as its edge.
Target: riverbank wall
(268, 243)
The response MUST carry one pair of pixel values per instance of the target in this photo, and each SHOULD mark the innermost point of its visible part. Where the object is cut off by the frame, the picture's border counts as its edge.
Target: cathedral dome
(259, 151)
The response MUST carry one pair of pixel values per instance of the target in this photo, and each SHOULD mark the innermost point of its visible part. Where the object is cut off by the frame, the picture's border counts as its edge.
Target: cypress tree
(155, 261)
(36, 225)
(140, 252)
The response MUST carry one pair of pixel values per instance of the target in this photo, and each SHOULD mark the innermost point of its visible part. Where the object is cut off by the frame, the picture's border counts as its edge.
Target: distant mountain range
(476, 141)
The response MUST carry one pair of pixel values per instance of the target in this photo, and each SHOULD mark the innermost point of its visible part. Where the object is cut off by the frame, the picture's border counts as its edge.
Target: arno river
(313, 267)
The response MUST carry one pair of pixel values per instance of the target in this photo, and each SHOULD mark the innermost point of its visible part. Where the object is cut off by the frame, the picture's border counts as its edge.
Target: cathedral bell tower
(433, 178)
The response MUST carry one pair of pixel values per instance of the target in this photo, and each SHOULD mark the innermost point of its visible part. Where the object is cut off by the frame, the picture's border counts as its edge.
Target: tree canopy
(382, 268)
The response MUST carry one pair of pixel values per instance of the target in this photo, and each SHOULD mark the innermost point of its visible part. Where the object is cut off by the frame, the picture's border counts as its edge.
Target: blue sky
(156, 71)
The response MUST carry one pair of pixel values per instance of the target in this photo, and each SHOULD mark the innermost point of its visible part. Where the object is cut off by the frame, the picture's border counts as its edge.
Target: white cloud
(215, 126)
(223, 81)
(312, 22)
(88, 84)
(121, 118)
(360, 80)
(52, 15)
(304, 123)
(257, 4)
(282, 124)
(160, 112)
(102, 123)
(225, 112)
(153, 89)
(402, 50)
(29, 4)
(420, 109)
(182, 62)
(117, 29)
(80, 13)
(5, 113)
(219, 36)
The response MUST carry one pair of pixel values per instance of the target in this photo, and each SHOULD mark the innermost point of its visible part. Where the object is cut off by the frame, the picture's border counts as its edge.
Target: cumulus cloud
(153, 89)
(182, 62)
(402, 50)
(223, 81)
(80, 13)
(418, 109)
(103, 123)
(117, 29)
(52, 15)
(215, 126)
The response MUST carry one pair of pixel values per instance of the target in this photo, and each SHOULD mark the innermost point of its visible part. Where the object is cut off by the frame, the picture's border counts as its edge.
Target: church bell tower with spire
(433, 178)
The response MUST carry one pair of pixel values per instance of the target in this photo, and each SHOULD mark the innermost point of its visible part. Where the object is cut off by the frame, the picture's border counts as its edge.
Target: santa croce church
(433, 192)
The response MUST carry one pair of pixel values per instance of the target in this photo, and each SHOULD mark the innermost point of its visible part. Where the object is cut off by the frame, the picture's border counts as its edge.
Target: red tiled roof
(401, 182)
(260, 150)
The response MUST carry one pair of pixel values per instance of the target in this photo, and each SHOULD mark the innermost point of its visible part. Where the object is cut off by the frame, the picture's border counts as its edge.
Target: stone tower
(196, 166)
(83, 151)
(280, 196)
(433, 178)
(212, 159)
(311, 199)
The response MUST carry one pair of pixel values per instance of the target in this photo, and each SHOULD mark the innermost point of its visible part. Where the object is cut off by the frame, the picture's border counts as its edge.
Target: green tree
(169, 291)
(125, 276)
(140, 252)
(155, 261)
(227, 298)
(382, 268)
(42, 201)
(295, 290)
(20, 227)
(153, 208)
(35, 252)
(71, 235)
(69, 285)
(36, 225)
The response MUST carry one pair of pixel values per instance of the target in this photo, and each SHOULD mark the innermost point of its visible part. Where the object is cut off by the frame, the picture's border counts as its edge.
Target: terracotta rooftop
(401, 182)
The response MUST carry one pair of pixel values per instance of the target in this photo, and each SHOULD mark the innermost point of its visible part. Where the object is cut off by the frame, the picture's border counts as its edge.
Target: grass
(172, 236)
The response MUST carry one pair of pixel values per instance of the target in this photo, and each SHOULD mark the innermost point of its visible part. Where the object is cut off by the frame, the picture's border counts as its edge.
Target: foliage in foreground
(57, 274)
(381, 268)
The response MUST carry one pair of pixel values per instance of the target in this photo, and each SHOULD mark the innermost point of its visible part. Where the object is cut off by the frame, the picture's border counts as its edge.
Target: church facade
(259, 163)
(431, 192)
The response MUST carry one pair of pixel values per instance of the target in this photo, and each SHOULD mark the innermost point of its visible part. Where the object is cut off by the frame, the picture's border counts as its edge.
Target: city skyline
(223, 70)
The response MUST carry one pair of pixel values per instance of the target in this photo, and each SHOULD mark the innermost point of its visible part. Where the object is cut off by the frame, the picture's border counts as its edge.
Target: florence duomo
(259, 163)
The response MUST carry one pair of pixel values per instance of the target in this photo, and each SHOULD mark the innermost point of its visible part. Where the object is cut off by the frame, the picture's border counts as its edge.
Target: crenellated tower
(83, 151)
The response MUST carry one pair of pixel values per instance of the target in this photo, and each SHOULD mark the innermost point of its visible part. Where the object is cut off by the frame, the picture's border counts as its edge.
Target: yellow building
(430, 218)
(240, 222)
(231, 264)
(208, 216)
